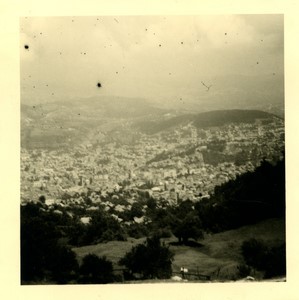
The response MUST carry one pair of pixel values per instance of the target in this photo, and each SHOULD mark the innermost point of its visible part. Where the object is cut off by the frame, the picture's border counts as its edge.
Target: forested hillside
(206, 119)
(249, 198)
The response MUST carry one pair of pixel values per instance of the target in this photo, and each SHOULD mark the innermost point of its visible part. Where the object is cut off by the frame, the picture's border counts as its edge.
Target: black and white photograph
(152, 149)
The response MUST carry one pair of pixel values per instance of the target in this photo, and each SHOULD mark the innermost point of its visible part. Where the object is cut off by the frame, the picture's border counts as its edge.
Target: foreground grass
(217, 256)
(113, 250)
(220, 253)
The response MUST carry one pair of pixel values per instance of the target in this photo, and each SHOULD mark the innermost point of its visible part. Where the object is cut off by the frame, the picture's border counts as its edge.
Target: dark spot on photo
(99, 84)
(225, 33)
(182, 43)
(26, 47)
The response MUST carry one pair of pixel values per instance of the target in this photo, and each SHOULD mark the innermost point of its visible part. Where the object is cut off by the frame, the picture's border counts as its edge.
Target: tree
(189, 227)
(96, 269)
(42, 258)
(63, 265)
(186, 223)
(151, 204)
(136, 210)
(102, 227)
(42, 199)
(150, 260)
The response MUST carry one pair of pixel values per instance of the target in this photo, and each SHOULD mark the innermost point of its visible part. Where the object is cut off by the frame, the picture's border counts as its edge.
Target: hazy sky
(154, 57)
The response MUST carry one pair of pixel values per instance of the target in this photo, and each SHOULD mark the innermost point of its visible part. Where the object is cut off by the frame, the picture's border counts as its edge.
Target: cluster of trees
(215, 154)
(171, 153)
(101, 228)
(159, 157)
(46, 256)
(214, 158)
(148, 260)
(251, 197)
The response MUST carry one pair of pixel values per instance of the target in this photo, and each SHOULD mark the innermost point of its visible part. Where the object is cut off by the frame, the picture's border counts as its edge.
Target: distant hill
(206, 119)
(65, 122)
(93, 107)
(54, 124)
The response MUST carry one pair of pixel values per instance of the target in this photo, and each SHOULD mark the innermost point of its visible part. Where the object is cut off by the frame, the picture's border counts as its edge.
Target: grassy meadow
(217, 255)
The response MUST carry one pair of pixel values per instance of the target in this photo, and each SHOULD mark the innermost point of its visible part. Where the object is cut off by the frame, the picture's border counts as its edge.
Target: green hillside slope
(206, 119)
(218, 256)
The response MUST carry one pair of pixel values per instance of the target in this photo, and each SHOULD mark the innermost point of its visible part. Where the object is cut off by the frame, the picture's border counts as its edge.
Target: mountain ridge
(206, 119)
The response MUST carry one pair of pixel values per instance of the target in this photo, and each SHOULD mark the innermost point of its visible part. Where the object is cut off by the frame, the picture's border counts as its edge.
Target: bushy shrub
(96, 269)
(272, 261)
(253, 252)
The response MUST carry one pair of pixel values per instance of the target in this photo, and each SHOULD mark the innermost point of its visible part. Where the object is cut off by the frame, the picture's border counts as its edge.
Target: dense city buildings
(174, 165)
